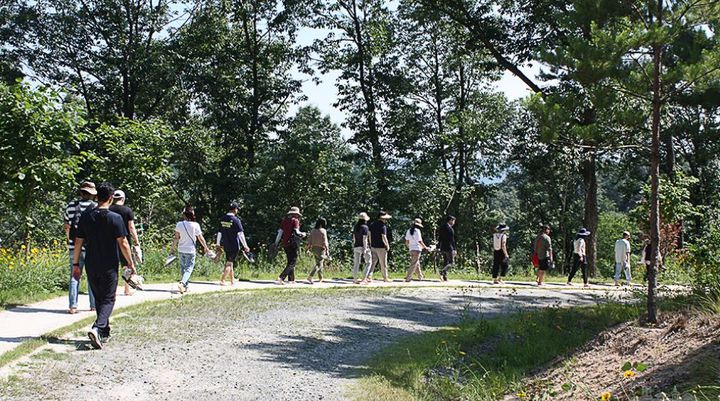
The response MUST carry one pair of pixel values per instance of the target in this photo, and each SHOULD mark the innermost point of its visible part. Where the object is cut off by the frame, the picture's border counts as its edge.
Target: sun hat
(502, 227)
(418, 223)
(384, 215)
(88, 187)
(583, 232)
(626, 233)
(294, 210)
(118, 194)
(363, 216)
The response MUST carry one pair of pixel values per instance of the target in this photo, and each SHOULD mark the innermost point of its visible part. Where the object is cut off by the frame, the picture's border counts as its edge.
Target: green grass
(484, 359)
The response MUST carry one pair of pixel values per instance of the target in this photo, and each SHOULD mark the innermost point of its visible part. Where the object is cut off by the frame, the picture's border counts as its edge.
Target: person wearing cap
(544, 253)
(71, 217)
(361, 245)
(579, 257)
(229, 238)
(320, 248)
(379, 246)
(187, 235)
(414, 242)
(289, 236)
(501, 257)
(105, 234)
(128, 217)
(448, 245)
(622, 258)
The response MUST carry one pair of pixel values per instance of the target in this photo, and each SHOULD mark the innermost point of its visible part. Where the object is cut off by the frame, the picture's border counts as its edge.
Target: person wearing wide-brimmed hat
(289, 236)
(380, 246)
(86, 193)
(414, 242)
(361, 245)
(580, 257)
(501, 257)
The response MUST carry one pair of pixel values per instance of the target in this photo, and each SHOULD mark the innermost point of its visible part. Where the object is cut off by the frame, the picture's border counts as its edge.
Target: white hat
(118, 194)
(363, 216)
(294, 210)
(384, 216)
(418, 223)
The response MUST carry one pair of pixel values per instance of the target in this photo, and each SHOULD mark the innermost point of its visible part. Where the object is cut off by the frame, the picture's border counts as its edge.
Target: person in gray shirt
(543, 250)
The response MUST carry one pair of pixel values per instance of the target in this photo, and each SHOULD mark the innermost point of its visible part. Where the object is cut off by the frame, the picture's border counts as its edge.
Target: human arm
(67, 232)
(176, 239)
(124, 246)
(385, 241)
(279, 235)
(504, 246)
(326, 243)
(243, 242)
(79, 242)
(201, 239)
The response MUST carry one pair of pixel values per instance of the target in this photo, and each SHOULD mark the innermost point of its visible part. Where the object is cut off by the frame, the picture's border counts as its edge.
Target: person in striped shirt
(73, 210)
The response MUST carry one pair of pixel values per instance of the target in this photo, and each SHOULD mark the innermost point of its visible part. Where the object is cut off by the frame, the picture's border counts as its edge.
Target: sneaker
(182, 288)
(279, 282)
(95, 339)
(105, 340)
(72, 311)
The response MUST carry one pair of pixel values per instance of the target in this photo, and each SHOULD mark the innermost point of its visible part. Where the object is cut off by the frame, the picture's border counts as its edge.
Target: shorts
(544, 264)
(231, 255)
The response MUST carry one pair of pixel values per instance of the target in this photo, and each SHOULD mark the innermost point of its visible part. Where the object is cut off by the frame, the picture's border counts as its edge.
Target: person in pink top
(289, 236)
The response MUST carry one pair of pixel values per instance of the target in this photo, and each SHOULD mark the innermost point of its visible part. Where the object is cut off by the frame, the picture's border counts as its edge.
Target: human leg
(618, 268)
(575, 266)
(104, 285)
(383, 260)
(414, 263)
(357, 257)
(187, 265)
(291, 252)
(497, 260)
(374, 260)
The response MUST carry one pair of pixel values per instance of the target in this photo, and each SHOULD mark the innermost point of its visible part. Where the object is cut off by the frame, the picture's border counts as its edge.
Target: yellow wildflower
(521, 395)
(462, 353)
(22, 246)
(628, 373)
(606, 396)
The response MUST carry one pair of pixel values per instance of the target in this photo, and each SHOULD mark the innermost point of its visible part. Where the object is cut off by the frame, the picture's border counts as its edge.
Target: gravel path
(288, 345)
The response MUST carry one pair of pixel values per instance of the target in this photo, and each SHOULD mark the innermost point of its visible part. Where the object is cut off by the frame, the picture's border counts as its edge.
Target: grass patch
(485, 359)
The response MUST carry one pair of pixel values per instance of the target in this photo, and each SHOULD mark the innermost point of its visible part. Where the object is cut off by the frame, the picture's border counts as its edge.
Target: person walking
(579, 257)
(128, 217)
(361, 245)
(543, 250)
(379, 246)
(105, 235)
(501, 257)
(414, 242)
(622, 258)
(230, 236)
(187, 235)
(289, 236)
(448, 245)
(86, 193)
(320, 248)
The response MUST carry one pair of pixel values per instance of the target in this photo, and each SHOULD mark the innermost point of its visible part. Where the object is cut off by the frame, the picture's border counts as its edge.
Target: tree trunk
(655, 178)
(589, 171)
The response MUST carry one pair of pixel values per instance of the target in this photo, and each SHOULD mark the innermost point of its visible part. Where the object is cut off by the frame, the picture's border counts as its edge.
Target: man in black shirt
(448, 246)
(128, 217)
(379, 246)
(103, 233)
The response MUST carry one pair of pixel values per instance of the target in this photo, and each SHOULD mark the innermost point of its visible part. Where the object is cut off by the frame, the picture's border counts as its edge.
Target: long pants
(448, 262)
(291, 251)
(578, 264)
(414, 266)
(75, 284)
(319, 254)
(379, 255)
(500, 266)
(187, 265)
(360, 253)
(626, 268)
(104, 284)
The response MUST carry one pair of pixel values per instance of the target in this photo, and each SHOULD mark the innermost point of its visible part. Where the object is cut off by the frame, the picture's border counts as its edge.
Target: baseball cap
(88, 187)
(118, 194)
(233, 205)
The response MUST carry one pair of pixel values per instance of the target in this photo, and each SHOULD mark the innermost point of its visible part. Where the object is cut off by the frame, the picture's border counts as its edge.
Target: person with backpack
(187, 235)
(501, 257)
(128, 217)
(543, 253)
(415, 244)
(289, 236)
(71, 217)
(105, 235)
(448, 245)
(580, 257)
(361, 245)
(320, 248)
(231, 236)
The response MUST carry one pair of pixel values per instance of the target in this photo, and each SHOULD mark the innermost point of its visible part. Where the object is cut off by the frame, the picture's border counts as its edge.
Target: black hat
(502, 227)
(583, 232)
(233, 206)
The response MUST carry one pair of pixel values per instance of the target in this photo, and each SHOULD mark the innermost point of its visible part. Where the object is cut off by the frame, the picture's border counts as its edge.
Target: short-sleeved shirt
(289, 225)
(446, 238)
(413, 239)
(377, 230)
(359, 232)
(189, 231)
(100, 229)
(318, 238)
(622, 249)
(126, 213)
(579, 246)
(230, 227)
(543, 246)
(71, 217)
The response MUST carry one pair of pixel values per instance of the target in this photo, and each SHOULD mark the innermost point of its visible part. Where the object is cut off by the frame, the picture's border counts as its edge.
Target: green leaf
(567, 386)
(641, 367)
(626, 366)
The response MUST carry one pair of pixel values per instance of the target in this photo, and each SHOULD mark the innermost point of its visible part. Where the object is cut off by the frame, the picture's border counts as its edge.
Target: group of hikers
(101, 235)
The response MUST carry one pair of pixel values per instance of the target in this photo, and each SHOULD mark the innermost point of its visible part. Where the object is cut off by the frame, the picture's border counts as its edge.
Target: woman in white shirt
(579, 257)
(414, 242)
(187, 234)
